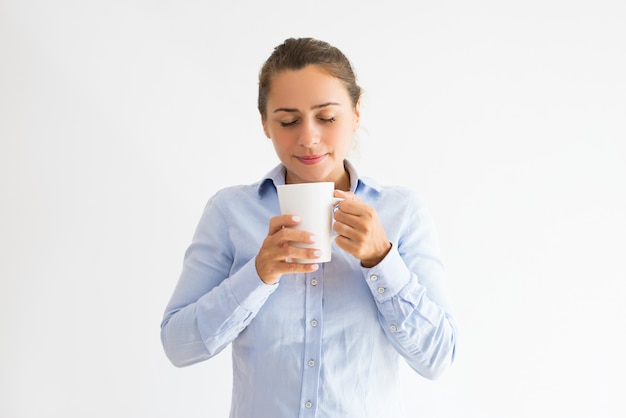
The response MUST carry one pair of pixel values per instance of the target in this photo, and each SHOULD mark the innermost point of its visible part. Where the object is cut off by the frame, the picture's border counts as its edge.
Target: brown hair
(295, 54)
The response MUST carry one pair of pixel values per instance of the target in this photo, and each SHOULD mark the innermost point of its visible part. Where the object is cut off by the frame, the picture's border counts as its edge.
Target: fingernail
(317, 253)
(314, 267)
(313, 238)
(295, 218)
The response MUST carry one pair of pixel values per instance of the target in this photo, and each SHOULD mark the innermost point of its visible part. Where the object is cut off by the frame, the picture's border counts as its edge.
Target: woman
(313, 340)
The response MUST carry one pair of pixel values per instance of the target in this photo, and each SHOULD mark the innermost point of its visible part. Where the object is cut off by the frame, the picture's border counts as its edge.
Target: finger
(289, 262)
(349, 208)
(295, 254)
(345, 195)
(290, 267)
(273, 263)
(346, 244)
(288, 235)
(346, 230)
(282, 221)
(352, 205)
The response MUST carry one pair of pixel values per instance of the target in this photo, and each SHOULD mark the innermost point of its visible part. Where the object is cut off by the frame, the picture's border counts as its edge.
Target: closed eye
(296, 121)
(286, 124)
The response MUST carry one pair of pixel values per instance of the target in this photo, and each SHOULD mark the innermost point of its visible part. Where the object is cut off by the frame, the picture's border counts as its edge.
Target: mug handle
(334, 207)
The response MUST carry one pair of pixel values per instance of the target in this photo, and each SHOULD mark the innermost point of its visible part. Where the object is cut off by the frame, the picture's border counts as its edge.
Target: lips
(311, 159)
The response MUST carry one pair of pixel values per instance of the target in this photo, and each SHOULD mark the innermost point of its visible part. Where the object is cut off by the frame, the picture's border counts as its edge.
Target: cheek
(342, 133)
(282, 143)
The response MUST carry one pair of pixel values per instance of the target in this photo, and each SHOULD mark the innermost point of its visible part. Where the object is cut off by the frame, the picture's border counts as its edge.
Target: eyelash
(288, 124)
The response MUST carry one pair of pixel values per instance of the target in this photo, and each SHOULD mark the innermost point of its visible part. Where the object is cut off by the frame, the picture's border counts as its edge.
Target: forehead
(306, 87)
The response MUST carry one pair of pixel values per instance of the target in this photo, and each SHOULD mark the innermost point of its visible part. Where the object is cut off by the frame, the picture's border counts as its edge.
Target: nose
(309, 134)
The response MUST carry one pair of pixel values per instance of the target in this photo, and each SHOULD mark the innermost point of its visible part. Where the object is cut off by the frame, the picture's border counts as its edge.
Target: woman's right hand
(274, 257)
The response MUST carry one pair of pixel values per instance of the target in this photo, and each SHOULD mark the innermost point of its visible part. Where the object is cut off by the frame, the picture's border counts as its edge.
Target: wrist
(372, 262)
(266, 278)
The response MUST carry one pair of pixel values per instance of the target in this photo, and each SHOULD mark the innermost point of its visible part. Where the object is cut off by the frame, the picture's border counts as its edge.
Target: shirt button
(313, 323)
(309, 404)
(393, 328)
(313, 282)
(311, 363)
(373, 277)
(381, 290)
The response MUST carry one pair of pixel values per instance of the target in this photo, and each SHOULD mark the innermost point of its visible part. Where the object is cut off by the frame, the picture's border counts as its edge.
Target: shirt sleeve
(210, 307)
(408, 286)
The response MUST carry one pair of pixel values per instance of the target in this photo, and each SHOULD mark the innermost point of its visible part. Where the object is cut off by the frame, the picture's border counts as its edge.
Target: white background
(118, 120)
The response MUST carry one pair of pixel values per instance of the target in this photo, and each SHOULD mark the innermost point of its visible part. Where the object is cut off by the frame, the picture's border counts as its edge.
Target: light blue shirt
(322, 344)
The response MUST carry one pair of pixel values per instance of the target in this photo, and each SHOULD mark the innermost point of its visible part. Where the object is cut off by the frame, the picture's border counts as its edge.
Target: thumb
(345, 195)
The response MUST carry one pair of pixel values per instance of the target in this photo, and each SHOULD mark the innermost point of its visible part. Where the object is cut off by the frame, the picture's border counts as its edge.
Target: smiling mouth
(311, 159)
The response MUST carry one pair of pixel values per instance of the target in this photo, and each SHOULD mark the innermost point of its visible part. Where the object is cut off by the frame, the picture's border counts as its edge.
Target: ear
(357, 116)
(264, 123)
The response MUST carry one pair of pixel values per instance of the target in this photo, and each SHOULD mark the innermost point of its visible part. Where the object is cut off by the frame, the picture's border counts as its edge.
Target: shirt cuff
(389, 277)
(248, 289)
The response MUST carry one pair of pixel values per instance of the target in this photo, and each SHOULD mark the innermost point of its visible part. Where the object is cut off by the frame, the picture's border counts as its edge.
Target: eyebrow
(319, 106)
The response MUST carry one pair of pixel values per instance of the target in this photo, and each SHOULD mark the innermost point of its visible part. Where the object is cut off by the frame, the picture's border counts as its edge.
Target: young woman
(313, 340)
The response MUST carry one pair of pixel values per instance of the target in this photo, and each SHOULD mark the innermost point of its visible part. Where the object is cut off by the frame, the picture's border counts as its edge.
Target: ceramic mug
(314, 204)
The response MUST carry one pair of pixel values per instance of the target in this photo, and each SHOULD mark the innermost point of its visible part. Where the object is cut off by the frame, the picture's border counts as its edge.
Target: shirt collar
(276, 177)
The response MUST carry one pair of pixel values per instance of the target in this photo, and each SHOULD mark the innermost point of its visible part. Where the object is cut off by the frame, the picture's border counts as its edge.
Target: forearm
(421, 329)
(195, 329)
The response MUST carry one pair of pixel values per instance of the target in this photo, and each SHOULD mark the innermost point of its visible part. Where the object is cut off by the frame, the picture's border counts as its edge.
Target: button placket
(312, 342)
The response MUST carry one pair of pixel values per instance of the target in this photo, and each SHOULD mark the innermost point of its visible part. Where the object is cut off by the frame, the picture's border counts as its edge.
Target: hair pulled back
(297, 53)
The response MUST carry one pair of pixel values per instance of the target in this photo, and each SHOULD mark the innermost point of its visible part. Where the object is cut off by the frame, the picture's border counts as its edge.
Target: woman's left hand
(359, 230)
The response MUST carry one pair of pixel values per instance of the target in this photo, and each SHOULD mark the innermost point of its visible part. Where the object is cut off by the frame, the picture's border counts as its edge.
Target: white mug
(314, 204)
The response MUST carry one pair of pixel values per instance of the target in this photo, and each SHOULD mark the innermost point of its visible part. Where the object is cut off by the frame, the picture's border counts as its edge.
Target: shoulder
(369, 189)
(259, 190)
(238, 191)
(403, 193)
(230, 198)
(392, 194)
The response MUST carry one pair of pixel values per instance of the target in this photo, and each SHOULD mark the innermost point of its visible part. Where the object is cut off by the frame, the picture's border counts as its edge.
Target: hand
(359, 230)
(273, 259)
